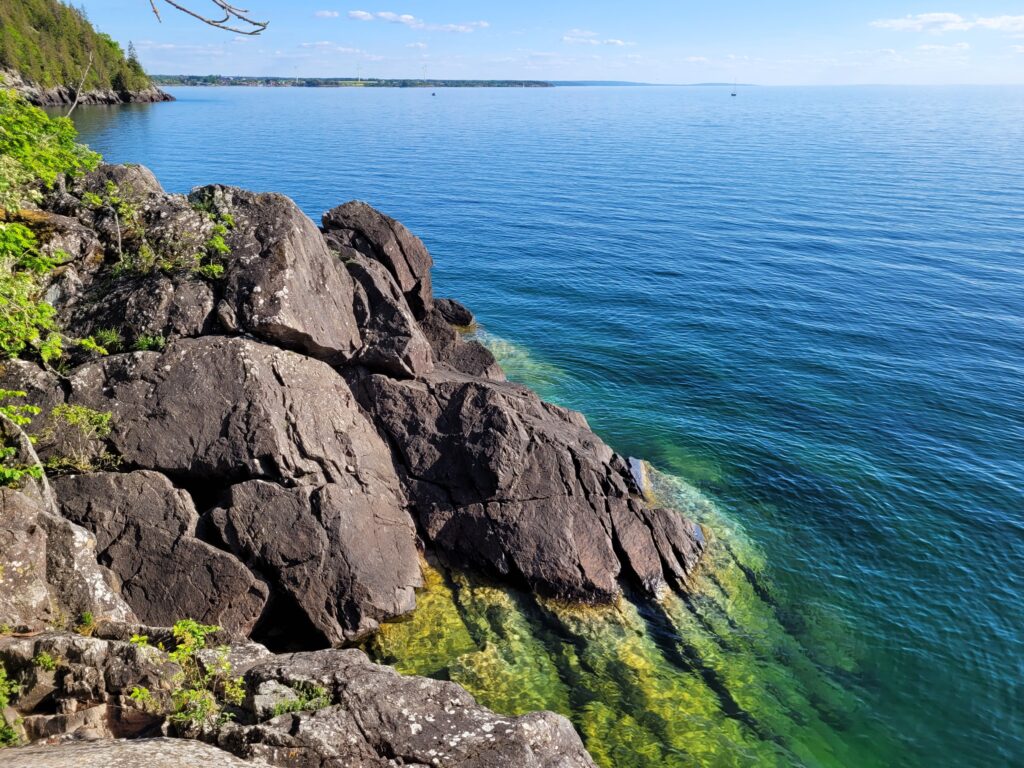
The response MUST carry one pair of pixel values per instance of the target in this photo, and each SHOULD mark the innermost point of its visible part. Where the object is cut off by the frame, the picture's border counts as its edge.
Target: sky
(783, 42)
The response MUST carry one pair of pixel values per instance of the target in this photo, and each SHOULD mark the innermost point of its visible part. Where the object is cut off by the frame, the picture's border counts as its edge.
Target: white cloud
(421, 46)
(586, 37)
(951, 22)
(327, 14)
(1018, 48)
(696, 59)
(413, 22)
(957, 48)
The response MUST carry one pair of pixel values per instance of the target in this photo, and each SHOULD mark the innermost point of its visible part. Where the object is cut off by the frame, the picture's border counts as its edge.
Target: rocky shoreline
(63, 95)
(291, 420)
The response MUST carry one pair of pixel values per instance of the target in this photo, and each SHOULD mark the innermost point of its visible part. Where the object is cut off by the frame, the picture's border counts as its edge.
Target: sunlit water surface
(803, 306)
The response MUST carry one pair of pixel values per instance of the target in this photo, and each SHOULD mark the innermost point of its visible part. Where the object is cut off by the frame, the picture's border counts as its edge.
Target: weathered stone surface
(282, 283)
(379, 237)
(454, 312)
(48, 567)
(506, 483)
(139, 753)
(86, 695)
(231, 409)
(344, 555)
(392, 341)
(379, 718)
(145, 533)
(151, 304)
(454, 352)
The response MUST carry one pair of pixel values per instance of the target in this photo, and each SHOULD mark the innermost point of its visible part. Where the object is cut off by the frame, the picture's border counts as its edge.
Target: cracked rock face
(344, 557)
(145, 533)
(357, 225)
(48, 566)
(283, 284)
(506, 483)
(231, 409)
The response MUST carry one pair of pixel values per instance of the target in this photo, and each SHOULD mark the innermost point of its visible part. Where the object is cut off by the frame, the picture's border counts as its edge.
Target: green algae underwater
(711, 678)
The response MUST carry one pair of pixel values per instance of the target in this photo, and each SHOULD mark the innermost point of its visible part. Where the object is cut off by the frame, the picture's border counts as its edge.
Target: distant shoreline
(353, 82)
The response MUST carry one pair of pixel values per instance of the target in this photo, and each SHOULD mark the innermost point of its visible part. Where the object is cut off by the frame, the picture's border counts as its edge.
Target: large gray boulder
(282, 283)
(48, 568)
(378, 718)
(224, 410)
(360, 226)
(506, 483)
(145, 533)
(151, 753)
(342, 555)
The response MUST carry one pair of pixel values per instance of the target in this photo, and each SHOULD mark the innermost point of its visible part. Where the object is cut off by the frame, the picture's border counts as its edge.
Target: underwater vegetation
(714, 678)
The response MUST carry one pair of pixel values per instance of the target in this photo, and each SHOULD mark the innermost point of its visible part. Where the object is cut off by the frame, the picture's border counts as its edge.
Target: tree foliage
(50, 44)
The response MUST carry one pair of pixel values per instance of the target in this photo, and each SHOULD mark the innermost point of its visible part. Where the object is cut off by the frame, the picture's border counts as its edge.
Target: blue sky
(794, 42)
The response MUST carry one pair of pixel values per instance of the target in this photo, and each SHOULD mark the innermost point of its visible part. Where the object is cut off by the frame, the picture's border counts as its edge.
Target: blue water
(808, 303)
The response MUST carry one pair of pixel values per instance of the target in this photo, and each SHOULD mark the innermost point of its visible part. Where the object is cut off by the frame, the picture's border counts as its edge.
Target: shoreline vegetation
(204, 81)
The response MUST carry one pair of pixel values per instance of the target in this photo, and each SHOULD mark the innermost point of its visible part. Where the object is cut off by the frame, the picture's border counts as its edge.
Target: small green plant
(75, 429)
(27, 323)
(89, 344)
(19, 414)
(6, 629)
(46, 661)
(147, 343)
(86, 623)
(144, 698)
(200, 692)
(13, 472)
(209, 271)
(8, 690)
(142, 641)
(309, 699)
(110, 339)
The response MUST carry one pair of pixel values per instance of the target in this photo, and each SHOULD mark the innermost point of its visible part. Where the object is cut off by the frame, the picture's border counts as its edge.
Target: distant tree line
(51, 44)
(340, 82)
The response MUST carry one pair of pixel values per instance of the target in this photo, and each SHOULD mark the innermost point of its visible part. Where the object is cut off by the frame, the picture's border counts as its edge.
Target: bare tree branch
(81, 85)
(235, 19)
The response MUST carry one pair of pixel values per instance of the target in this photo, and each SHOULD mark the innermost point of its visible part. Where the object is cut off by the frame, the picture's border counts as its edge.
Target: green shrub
(38, 151)
(12, 473)
(200, 693)
(75, 429)
(8, 690)
(26, 322)
(310, 698)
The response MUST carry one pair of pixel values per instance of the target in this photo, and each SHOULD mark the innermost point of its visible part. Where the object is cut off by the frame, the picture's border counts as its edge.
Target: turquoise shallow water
(805, 303)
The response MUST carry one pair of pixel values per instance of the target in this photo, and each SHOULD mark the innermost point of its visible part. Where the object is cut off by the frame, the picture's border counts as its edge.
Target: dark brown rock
(145, 533)
(506, 483)
(229, 409)
(343, 555)
(455, 313)
(392, 340)
(282, 283)
(379, 237)
(454, 352)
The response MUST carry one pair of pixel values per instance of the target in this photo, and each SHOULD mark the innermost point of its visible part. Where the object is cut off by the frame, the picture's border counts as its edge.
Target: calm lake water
(804, 306)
